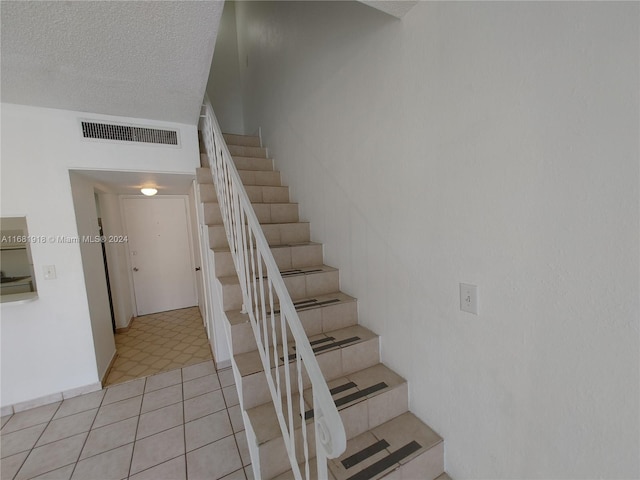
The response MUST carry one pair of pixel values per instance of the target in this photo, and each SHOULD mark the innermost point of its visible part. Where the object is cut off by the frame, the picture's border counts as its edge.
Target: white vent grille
(128, 133)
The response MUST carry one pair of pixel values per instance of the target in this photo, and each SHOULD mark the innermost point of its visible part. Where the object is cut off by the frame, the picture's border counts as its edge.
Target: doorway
(160, 253)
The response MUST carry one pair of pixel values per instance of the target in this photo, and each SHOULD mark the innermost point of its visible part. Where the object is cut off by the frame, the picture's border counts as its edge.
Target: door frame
(185, 199)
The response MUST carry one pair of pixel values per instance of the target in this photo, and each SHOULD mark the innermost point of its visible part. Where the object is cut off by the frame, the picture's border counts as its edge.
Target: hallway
(159, 342)
(167, 426)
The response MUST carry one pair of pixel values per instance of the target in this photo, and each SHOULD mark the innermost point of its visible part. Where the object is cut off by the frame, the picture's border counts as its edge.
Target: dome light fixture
(149, 191)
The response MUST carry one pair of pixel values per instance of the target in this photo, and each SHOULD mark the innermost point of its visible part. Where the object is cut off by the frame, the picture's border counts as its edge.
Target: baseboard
(126, 329)
(108, 370)
(47, 399)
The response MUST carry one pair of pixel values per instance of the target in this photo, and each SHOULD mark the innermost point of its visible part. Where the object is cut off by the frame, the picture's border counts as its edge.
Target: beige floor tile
(20, 441)
(214, 461)
(68, 426)
(235, 413)
(4, 420)
(52, 456)
(243, 448)
(208, 429)
(161, 398)
(163, 380)
(118, 411)
(160, 420)
(124, 391)
(157, 449)
(175, 469)
(203, 405)
(110, 465)
(80, 403)
(231, 395)
(9, 466)
(197, 370)
(226, 377)
(63, 473)
(201, 385)
(29, 418)
(237, 475)
(109, 437)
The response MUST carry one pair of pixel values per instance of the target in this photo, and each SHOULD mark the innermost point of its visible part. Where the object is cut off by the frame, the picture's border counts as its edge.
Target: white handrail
(261, 292)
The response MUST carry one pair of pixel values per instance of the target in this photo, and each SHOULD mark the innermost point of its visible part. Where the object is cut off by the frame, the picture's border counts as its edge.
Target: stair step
(246, 151)
(322, 313)
(252, 163)
(266, 213)
(339, 353)
(203, 175)
(267, 194)
(286, 257)
(365, 399)
(249, 177)
(301, 283)
(412, 450)
(404, 448)
(208, 193)
(275, 233)
(244, 140)
(260, 177)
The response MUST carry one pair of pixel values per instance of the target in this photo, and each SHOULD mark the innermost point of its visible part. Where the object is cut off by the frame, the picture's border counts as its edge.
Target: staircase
(384, 440)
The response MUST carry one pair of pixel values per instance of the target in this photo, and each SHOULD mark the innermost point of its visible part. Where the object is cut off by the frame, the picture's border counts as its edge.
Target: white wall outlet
(49, 272)
(469, 298)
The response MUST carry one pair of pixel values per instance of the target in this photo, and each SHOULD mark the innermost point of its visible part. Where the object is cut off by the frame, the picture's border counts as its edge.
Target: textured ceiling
(145, 59)
(130, 183)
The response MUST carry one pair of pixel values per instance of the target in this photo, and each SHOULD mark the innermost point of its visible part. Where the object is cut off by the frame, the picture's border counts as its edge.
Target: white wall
(46, 345)
(224, 89)
(487, 143)
(113, 224)
(83, 193)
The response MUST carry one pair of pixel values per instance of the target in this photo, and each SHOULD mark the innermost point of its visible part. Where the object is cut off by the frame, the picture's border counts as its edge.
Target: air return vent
(128, 133)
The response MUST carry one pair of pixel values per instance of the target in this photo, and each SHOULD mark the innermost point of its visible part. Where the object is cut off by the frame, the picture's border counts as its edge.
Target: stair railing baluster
(248, 244)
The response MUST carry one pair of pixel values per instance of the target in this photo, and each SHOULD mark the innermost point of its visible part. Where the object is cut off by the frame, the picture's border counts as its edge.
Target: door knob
(197, 269)
(135, 269)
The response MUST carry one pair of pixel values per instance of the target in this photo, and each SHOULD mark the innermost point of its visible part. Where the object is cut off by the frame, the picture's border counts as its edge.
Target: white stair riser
(248, 177)
(208, 193)
(243, 140)
(314, 321)
(250, 163)
(299, 286)
(266, 213)
(276, 234)
(266, 194)
(245, 151)
(286, 257)
(257, 177)
(333, 364)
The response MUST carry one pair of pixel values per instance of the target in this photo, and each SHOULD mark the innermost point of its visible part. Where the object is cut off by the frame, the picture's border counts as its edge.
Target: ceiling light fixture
(149, 191)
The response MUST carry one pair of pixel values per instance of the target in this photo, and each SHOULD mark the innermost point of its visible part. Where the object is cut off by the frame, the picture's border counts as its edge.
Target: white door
(160, 255)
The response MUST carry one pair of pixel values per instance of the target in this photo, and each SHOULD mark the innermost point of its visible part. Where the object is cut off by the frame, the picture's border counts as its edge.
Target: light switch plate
(49, 272)
(469, 298)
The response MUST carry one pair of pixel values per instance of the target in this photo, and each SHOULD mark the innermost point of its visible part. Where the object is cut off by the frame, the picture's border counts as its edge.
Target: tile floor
(159, 342)
(180, 424)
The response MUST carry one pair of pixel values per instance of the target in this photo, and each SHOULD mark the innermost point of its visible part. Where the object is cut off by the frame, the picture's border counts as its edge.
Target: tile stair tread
(233, 279)
(227, 249)
(258, 203)
(235, 317)
(250, 363)
(265, 423)
(382, 450)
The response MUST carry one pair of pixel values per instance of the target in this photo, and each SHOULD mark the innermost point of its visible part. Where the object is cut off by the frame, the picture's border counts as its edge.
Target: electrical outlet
(49, 272)
(469, 298)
